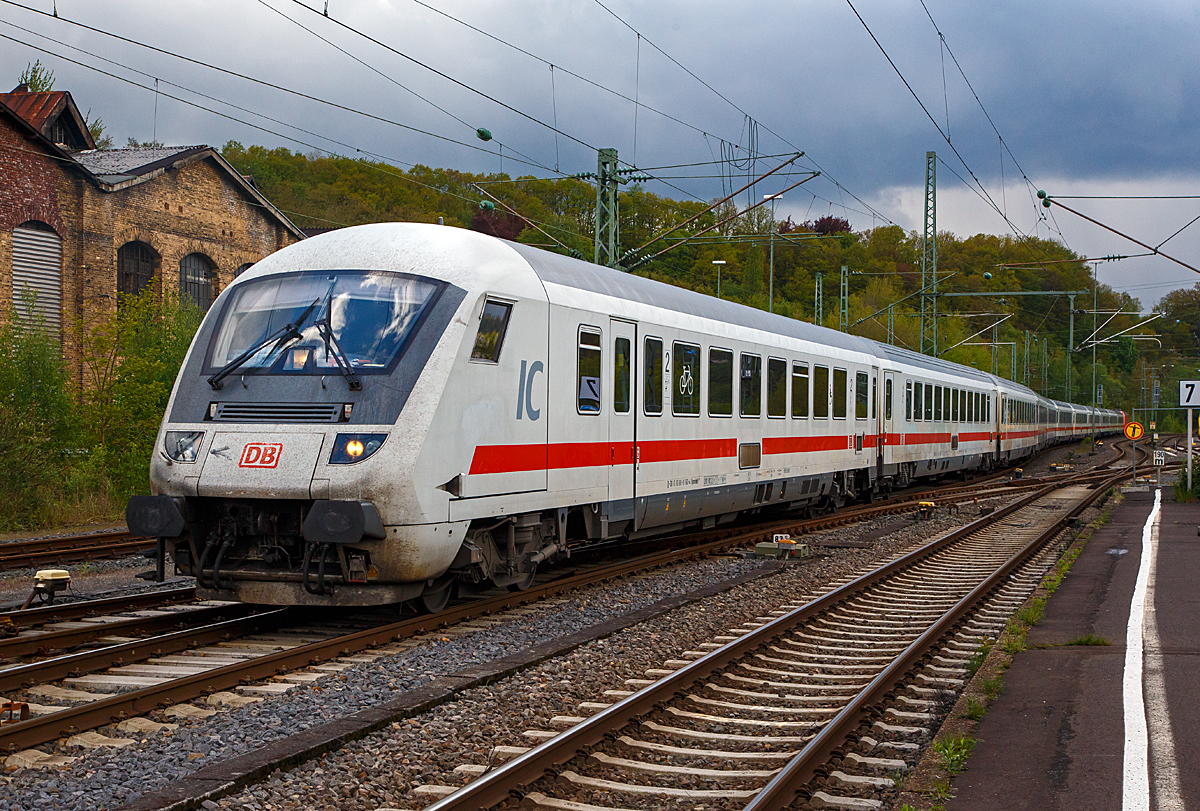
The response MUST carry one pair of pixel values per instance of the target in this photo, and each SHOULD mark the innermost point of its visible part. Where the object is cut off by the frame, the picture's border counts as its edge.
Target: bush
(71, 453)
(38, 425)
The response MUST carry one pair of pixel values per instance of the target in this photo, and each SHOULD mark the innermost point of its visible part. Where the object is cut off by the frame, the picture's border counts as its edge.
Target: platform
(1056, 738)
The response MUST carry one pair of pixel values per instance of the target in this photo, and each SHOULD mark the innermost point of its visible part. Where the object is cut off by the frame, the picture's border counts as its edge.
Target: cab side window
(492, 326)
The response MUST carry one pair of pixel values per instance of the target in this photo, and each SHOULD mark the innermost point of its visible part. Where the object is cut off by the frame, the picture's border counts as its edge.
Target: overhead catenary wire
(259, 127)
(235, 74)
(932, 120)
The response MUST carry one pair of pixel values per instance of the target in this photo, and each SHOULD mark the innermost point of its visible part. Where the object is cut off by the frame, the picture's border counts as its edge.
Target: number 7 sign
(1189, 393)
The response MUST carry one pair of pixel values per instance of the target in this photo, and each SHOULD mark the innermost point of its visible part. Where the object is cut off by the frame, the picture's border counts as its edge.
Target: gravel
(383, 768)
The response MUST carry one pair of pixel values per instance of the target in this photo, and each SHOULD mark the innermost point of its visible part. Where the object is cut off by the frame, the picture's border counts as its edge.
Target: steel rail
(66, 638)
(791, 780)
(60, 612)
(495, 786)
(137, 702)
(30, 554)
(20, 677)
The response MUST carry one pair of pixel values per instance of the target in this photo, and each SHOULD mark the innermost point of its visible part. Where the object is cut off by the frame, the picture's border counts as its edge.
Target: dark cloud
(1083, 93)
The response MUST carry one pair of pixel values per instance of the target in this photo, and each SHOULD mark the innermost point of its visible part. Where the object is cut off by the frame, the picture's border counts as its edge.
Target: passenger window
(589, 371)
(908, 401)
(685, 382)
(874, 396)
(919, 403)
(962, 405)
(839, 394)
(653, 360)
(800, 390)
(887, 399)
(492, 325)
(776, 387)
(937, 403)
(720, 383)
(954, 405)
(946, 404)
(821, 392)
(751, 386)
(860, 395)
(987, 408)
(622, 375)
(928, 402)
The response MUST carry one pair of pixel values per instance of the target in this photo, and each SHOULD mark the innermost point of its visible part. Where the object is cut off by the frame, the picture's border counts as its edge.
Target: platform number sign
(1189, 393)
(1134, 430)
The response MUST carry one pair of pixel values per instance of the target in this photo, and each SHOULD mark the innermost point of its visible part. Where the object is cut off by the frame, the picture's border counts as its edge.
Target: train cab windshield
(363, 318)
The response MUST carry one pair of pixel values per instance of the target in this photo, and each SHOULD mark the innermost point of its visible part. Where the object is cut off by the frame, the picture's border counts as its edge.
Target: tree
(134, 143)
(828, 225)
(96, 128)
(37, 77)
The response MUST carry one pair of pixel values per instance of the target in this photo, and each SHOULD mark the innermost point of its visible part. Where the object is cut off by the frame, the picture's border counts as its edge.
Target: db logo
(260, 454)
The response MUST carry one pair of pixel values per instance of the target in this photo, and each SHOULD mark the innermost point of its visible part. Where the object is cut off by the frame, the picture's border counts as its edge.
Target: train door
(622, 425)
(883, 425)
(998, 421)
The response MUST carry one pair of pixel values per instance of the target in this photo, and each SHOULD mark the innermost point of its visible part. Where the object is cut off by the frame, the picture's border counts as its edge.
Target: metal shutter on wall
(37, 266)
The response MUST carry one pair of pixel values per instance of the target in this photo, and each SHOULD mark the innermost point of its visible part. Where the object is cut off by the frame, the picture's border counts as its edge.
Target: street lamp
(718, 263)
(771, 284)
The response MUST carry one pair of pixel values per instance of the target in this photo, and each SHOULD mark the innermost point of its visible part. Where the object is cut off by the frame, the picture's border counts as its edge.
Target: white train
(382, 412)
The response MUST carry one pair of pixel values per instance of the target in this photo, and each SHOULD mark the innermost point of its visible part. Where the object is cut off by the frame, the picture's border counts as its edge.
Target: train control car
(388, 412)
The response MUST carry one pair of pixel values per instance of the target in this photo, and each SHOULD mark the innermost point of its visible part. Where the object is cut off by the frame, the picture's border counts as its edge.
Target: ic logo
(261, 454)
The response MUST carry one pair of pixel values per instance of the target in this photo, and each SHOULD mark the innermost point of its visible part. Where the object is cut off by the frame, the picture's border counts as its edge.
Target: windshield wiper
(332, 347)
(281, 337)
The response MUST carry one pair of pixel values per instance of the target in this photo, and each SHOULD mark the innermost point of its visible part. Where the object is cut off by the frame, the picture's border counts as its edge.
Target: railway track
(162, 656)
(824, 701)
(64, 549)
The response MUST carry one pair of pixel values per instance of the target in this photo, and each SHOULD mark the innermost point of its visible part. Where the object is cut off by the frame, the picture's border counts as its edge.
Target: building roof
(43, 110)
(135, 161)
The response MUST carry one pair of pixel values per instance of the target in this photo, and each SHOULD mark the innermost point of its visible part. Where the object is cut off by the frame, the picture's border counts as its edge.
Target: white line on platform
(1135, 785)
(1164, 773)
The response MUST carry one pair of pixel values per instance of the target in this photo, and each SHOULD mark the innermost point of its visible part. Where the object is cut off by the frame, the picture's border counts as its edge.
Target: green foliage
(38, 424)
(131, 359)
(976, 709)
(954, 752)
(37, 77)
(992, 687)
(98, 131)
(1089, 640)
(69, 452)
(976, 659)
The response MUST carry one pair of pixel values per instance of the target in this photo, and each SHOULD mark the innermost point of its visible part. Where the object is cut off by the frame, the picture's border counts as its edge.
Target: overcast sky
(1091, 98)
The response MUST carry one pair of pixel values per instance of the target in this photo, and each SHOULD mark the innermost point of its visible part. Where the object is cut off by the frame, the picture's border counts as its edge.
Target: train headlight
(183, 446)
(351, 448)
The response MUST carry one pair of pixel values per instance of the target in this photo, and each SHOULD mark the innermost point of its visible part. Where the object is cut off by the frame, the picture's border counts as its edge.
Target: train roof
(576, 273)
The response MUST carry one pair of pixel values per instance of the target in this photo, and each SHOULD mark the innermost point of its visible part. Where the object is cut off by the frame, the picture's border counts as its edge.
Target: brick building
(80, 225)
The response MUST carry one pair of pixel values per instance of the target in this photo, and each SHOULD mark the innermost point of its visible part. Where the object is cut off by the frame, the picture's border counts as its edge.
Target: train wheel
(436, 597)
(525, 582)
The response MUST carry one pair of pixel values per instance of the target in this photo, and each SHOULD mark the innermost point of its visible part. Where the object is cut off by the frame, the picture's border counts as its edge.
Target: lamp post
(718, 263)
(771, 283)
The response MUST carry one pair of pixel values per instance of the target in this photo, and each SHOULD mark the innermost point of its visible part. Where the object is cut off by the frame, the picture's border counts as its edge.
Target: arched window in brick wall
(37, 275)
(136, 263)
(196, 273)
(242, 269)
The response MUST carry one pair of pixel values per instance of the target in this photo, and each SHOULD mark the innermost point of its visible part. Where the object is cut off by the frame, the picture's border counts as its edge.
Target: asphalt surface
(1055, 739)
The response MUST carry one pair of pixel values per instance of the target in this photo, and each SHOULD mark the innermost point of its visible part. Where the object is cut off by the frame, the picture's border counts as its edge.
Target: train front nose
(239, 464)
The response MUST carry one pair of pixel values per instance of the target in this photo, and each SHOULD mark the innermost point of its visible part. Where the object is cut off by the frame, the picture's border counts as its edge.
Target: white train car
(384, 412)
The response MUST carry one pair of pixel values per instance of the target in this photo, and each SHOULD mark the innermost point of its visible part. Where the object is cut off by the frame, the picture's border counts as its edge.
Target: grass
(992, 687)
(976, 659)
(1089, 639)
(954, 752)
(976, 709)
